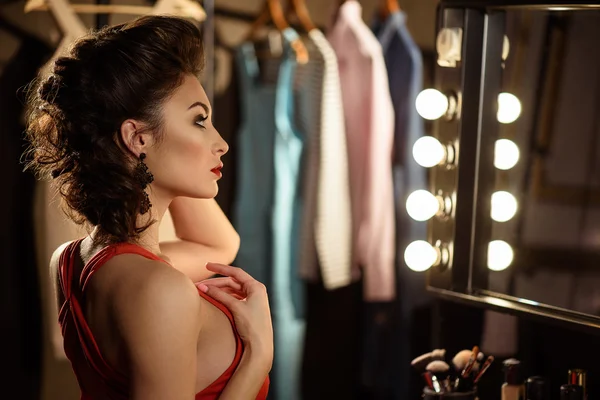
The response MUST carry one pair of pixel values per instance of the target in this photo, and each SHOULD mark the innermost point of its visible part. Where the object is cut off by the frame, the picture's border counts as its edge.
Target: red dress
(95, 376)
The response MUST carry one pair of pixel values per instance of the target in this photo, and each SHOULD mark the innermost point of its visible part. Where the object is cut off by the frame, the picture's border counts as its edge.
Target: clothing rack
(247, 17)
(428, 54)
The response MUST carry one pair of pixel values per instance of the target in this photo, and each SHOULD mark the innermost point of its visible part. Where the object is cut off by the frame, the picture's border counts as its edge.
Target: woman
(123, 126)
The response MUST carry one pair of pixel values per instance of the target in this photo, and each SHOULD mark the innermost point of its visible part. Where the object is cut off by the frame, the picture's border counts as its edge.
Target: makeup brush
(427, 376)
(421, 362)
(461, 359)
(484, 368)
(464, 381)
(437, 367)
(438, 354)
(467, 370)
(477, 364)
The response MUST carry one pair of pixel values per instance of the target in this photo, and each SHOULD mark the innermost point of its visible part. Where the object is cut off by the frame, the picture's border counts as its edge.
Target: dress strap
(74, 326)
(108, 252)
(65, 267)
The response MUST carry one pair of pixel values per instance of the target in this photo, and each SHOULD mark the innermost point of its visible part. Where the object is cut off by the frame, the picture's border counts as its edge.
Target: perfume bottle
(512, 388)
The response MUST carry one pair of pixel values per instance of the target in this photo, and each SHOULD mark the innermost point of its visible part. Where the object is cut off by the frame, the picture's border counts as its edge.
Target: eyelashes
(200, 120)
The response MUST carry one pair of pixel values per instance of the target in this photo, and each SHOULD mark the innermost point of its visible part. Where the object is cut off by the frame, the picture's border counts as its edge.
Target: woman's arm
(159, 320)
(205, 235)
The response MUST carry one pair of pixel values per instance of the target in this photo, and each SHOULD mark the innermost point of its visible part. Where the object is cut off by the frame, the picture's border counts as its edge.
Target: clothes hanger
(182, 8)
(69, 23)
(388, 7)
(298, 7)
(273, 12)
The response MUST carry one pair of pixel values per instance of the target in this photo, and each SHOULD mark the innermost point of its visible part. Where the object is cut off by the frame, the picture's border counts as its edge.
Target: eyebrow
(200, 104)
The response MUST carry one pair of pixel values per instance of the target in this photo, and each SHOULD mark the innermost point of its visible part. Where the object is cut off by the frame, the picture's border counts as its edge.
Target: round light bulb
(421, 205)
(509, 108)
(500, 255)
(428, 151)
(420, 255)
(506, 154)
(504, 206)
(431, 104)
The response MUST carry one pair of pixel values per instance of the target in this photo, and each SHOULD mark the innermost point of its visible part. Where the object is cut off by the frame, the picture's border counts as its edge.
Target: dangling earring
(144, 177)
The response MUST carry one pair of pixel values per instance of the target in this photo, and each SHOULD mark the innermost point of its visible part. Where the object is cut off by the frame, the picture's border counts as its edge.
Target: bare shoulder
(148, 295)
(54, 259)
(147, 317)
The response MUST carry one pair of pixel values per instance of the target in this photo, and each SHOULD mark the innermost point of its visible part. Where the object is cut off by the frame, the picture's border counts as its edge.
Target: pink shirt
(369, 121)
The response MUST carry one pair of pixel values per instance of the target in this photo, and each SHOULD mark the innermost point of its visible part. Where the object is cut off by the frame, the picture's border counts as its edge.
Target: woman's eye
(201, 120)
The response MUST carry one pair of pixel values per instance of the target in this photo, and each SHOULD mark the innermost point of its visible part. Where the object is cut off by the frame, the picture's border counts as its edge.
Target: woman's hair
(75, 114)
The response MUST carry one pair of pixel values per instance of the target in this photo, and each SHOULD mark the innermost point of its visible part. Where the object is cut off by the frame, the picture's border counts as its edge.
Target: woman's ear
(134, 137)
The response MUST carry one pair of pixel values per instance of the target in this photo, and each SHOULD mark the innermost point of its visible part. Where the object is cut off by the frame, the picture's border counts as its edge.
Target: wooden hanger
(71, 26)
(273, 12)
(388, 7)
(181, 8)
(298, 7)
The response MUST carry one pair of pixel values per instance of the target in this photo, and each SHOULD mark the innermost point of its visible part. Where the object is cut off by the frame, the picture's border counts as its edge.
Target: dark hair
(75, 113)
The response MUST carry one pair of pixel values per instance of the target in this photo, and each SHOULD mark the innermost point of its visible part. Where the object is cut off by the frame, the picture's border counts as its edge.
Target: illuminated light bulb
(505, 48)
(421, 205)
(421, 255)
(432, 104)
(428, 151)
(509, 108)
(504, 206)
(506, 154)
(500, 255)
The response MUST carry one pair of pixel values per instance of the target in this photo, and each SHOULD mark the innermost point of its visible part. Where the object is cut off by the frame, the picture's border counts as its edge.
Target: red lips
(217, 170)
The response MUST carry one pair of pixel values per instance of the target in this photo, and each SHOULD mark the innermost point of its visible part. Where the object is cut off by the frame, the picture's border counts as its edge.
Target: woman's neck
(149, 238)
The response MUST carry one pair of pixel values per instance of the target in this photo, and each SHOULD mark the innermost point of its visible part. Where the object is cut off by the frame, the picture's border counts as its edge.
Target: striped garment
(326, 222)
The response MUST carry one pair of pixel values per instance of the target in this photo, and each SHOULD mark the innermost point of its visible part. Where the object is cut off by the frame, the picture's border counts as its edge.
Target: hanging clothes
(369, 120)
(405, 76)
(288, 329)
(326, 217)
(253, 205)
(329, 370)
(270, 150)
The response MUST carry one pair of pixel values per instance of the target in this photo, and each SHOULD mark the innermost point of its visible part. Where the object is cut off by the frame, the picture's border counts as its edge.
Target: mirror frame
(477, 77)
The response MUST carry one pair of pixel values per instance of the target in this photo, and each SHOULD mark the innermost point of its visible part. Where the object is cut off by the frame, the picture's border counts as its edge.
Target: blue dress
(266, 209)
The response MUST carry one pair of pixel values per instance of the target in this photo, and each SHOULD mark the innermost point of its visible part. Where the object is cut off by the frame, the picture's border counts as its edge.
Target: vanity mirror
(514, 159)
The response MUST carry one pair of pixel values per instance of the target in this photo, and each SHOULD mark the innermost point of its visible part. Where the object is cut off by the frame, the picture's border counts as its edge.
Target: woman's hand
(247, 300)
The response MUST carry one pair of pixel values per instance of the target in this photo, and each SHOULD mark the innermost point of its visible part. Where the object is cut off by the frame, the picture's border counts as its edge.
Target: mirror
(553, 68)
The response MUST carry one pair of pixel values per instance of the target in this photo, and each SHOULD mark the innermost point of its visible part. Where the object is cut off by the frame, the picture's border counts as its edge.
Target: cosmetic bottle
(571, 392)
(578, 377)
(512, 388)
(537, 388)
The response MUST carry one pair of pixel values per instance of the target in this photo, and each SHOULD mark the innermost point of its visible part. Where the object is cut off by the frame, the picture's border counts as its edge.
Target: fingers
(250, 286)
(223, 282)
(228, 285)
(227, 300)
(236, 294)
(237, 273)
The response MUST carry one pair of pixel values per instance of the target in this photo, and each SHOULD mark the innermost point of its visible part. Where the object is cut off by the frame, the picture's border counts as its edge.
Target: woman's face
(187, 161)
